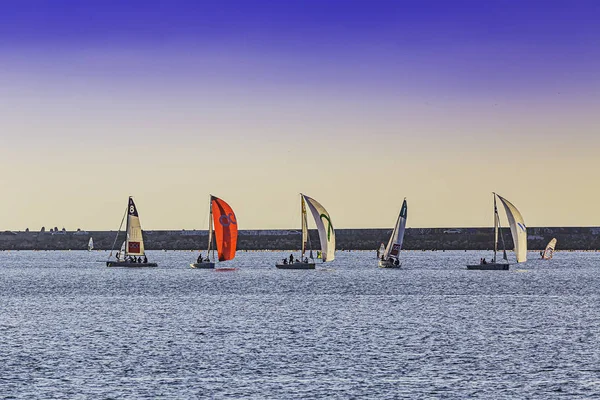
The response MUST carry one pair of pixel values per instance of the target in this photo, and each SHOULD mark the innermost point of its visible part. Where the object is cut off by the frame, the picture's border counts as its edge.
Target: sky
(357, 104)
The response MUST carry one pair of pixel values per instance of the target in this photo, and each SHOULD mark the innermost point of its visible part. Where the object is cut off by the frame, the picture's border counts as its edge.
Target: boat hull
(298, 265)
(389, 264)
(126, 264)
(204, 265)
(490, 267)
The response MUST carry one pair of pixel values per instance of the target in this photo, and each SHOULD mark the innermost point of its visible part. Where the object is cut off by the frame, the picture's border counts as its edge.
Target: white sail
(304, 226)
(91, 244)
(381, 250)
(549, 251)
(517, 229)
(135, 241)
(121, 256)
(324, 226)
(395, 243)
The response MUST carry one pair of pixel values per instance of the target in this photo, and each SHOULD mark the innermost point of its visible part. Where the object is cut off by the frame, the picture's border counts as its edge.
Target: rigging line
(119, 231)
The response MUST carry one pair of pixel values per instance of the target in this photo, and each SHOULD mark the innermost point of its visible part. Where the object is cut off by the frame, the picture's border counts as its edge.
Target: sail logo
(329, 225)
(133, 247)
(522, 226)
(227, 219)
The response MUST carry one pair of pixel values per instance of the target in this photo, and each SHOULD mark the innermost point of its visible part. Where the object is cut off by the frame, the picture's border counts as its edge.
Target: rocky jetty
(571, 238)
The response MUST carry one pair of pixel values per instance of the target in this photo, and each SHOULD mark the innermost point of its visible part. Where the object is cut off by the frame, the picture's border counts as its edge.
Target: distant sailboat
(519, 235)
(326, 236)
(391, 254)
(548, 253)
(222, 226)
(133, 247)
(380, 251)
(91, 244)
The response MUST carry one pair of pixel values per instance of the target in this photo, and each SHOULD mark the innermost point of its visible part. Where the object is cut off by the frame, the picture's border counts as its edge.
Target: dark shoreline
(569, 238)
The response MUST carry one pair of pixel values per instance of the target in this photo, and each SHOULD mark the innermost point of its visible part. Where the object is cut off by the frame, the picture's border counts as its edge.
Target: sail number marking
(227, 219)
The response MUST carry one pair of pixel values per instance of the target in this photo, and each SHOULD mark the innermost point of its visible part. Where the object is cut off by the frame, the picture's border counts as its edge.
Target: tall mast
(303, 224)
(496, 222)
(210, 227)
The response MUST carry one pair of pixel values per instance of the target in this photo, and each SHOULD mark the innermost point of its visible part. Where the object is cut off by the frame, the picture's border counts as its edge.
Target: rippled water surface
(72, 328)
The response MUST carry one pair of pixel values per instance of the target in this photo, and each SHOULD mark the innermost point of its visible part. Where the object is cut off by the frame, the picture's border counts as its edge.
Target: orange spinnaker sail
(226, 229)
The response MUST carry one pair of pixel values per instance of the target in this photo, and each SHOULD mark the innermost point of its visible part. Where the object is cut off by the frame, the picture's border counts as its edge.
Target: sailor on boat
(291, 258)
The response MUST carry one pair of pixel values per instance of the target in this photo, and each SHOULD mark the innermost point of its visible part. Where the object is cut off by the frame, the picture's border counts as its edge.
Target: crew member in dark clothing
(291, 258)
(145, 259)
(199, 260)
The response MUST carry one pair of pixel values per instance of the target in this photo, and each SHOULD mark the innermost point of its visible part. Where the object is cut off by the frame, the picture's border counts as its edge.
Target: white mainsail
(135, 241)
(395, 243)
(304, 224)
(517, 229)
(549, 251)
(324, 226)
(91, 244)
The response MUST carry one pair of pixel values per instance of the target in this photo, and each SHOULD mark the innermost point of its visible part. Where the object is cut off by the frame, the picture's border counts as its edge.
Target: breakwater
(569, 238)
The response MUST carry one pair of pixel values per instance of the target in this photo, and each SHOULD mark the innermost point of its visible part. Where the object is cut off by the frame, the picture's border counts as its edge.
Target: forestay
(395, 243)
(324, 226)
(135, 241)
(517, 229)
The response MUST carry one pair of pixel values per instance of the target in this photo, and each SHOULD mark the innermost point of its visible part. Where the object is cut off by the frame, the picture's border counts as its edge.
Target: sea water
(72, 328)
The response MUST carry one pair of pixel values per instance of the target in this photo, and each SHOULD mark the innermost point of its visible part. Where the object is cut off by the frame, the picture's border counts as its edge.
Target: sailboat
(548, 253)
(519, 235)
(380, 250)
(133, 247)
(326, 236)
(222, 226)
(91, 244)
(391, 255)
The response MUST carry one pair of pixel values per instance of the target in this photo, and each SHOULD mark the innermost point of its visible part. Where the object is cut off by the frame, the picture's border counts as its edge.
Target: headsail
(226, 229)
(381, 250)
(517, 229)
(324, 226)
(135, 241)
(395, 243)
(121, 253)
(91, 244)
(549, 251)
